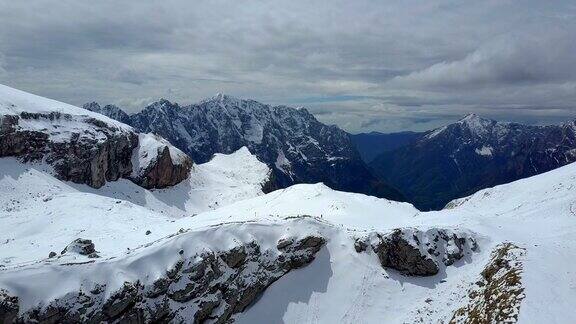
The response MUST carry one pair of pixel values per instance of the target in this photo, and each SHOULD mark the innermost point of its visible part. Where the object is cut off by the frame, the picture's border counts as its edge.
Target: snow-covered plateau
(215, 248)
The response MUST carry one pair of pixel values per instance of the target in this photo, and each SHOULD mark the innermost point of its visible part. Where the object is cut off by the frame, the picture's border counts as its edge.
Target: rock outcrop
(82, 247)
(87, 150)
(81, 149)
(212, 285)
(157, 164)
(417, 253)
(497, 295)
(8, 307)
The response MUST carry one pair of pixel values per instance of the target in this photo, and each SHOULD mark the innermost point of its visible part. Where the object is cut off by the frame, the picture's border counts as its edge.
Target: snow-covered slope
(532, 274)
(40, 214)
(13, 101)
(214, 247)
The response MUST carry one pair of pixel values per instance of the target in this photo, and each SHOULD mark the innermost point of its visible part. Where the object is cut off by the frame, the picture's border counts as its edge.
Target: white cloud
(509, 60)
(421, 63)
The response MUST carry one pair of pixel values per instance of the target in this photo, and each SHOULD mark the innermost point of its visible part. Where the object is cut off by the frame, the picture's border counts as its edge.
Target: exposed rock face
(82, 247)
(497, 296)
(418, 253)
(163, 171)
(8, 307)
(90, 151)
(474, 153)
(295, 145)
(213, 285)
(109, 110)
(83, 149)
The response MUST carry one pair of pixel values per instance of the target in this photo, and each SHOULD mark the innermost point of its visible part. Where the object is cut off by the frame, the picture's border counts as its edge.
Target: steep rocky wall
(164, 171)
(83, 149)
(213, 285)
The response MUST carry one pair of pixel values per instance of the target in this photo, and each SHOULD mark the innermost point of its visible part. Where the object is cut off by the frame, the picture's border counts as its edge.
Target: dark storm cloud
(364, 65)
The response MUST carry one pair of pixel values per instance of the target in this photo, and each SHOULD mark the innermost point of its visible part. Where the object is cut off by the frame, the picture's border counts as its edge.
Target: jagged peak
(91, 106)
(474, 118)
(474, 122)
(161, 104)
(222, 98)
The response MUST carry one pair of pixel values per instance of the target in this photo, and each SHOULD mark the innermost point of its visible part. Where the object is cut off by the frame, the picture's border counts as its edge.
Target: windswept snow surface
(41, 214)
(13, 101)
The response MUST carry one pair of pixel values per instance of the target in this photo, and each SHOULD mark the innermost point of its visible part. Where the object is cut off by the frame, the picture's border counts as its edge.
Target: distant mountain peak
(474, 119)
(296, 146)
(162, 104)
(476, 124)
(111, 111)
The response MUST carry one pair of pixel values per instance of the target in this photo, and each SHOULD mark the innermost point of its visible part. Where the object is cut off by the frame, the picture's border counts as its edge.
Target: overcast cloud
(363, 65)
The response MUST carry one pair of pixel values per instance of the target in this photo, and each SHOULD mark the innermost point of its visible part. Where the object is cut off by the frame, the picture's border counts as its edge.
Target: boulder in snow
(418, 253)
(82, 247)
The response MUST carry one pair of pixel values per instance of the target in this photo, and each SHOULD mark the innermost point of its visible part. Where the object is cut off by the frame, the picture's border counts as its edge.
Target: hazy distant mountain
(370, 145)
(296, 146)
(474, 153)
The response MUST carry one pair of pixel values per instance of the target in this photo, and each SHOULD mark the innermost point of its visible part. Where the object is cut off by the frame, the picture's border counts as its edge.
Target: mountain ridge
(473, 153)
(291, 141)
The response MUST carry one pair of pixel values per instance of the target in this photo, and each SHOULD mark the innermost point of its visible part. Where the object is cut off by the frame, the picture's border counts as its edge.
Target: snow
(149, 147)
(13, 102)
(221, 205)
(339, 286)
(484, 151)
(282, 163)
(436, 132)
(34, 204)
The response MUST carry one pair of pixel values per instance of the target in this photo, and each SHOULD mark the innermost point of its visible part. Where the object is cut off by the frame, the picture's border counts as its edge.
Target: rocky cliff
(84, 147)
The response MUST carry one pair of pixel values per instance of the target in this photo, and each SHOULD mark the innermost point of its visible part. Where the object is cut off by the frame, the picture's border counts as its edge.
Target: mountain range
(474, 153)
(292, 142)
(102, 223)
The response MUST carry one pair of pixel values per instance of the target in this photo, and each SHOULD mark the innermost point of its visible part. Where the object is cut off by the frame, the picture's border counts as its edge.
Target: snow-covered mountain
(474, 153)
(501, 255)
(215, 248)
(294, 144)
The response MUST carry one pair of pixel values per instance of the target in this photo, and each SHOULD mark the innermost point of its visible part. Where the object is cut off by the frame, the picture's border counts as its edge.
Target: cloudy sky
(363, 65)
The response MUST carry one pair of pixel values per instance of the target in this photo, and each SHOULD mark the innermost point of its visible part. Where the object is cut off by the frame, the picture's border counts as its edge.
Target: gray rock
(92, 152)
(163, 172)
(8, 307)
(395, 252)
(215, 284)
(418, 253)
(360, 245)
(284, 243)
(80, 246)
